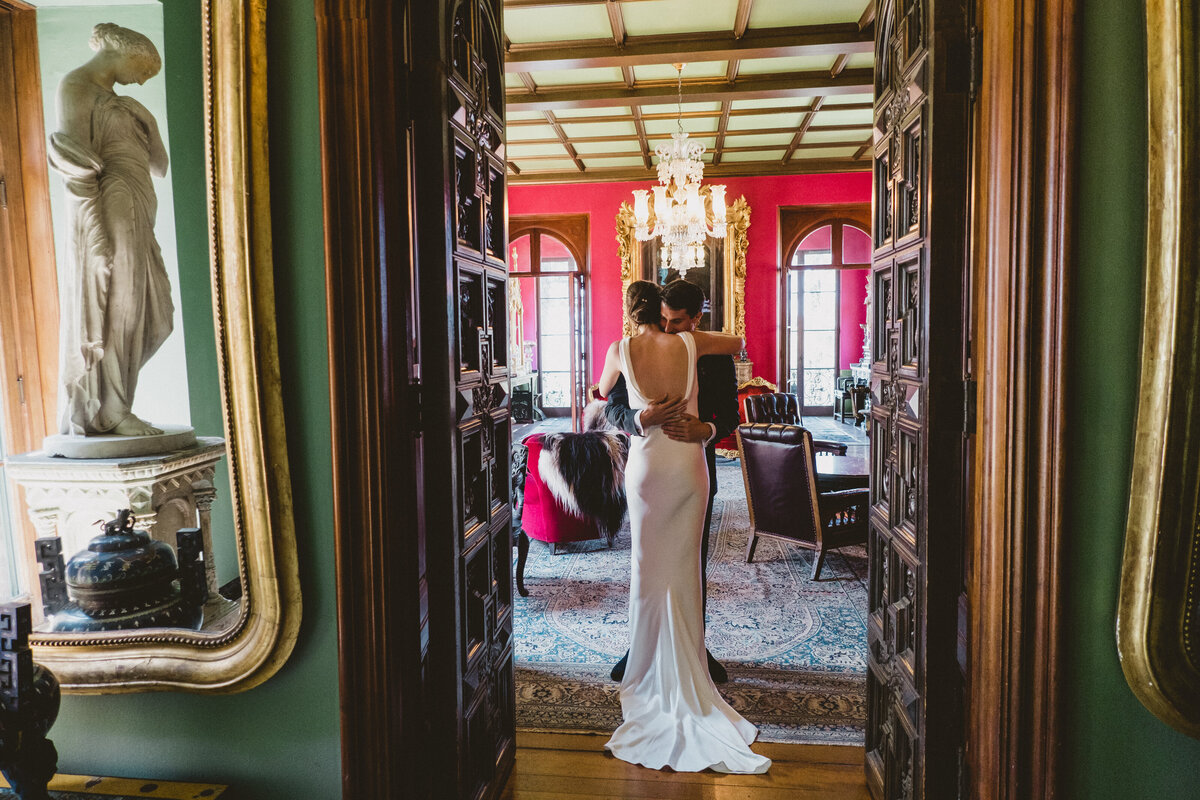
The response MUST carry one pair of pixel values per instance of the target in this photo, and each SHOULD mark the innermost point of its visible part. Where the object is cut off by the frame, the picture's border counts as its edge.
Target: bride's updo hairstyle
(644, 301)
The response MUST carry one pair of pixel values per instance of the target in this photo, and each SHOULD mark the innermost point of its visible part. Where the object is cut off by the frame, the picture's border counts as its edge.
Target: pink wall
(764, 195)
(853, 290)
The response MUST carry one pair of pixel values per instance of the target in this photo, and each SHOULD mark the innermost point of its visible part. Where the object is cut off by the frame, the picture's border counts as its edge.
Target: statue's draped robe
(116, 302)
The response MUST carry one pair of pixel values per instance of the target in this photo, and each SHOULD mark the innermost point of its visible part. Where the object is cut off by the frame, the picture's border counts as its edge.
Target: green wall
(1114, 747)
(279, 741)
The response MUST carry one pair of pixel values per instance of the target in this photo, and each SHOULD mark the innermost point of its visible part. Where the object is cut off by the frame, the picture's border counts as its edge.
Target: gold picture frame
(234, 42)
(736, 242)
(1158, 617)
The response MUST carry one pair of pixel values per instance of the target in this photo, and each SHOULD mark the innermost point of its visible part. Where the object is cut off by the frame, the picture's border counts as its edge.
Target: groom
(682, 308)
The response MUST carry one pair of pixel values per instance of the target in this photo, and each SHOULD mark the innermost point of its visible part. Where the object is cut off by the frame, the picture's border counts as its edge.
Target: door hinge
(969, 407)
(418, 424)
(20, 381)
(3, 194)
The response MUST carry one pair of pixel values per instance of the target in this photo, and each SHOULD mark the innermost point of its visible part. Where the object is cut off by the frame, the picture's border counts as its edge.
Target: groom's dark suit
(717, 402)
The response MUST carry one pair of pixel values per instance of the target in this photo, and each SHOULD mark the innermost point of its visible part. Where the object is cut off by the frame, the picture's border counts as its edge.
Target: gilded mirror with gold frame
(1158, 618)
(732, 304)
(257, 633)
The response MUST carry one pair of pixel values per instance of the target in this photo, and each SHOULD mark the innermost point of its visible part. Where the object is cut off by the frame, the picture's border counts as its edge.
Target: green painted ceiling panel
(776, 13)
(546, 166)
(663, 72)
(585, 129)
(862, 117)
(774, 156)
(568, 77)
(778, 139)
(620, 146)
(511, 81)
(771, 102)
(848, 99)
(517, 151)
(603, 163)
(570, 114)
(818, 136)
(691, 126)
(752, 121)
(556, 23)
(825, 152)
(678, 16)
(516, 133)
(860, 61)
(783, 66)
(514, 116)
(708, 141)
(671, 108)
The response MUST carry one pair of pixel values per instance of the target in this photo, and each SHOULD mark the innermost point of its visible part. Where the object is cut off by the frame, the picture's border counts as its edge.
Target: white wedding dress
(673, 715)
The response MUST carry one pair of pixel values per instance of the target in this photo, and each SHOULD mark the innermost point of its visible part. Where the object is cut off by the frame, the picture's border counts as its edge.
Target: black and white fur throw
(586, 473)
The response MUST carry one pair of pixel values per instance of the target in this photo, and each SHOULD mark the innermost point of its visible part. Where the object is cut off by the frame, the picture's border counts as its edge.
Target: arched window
(824, 283)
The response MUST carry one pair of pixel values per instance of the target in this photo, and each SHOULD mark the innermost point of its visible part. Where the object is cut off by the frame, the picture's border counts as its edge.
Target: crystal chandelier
(680, 218)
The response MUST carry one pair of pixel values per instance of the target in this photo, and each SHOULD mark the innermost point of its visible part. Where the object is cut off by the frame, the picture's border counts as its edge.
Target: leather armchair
(783, 408)
(780, 473)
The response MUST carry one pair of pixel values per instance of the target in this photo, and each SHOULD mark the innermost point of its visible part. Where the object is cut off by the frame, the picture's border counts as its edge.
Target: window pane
(818, 387)
(820, 280)
(856, 246)
(794, 350)
(818, 349)
(820, 311)
(9, 581)
(556, 353)
(556, 316)
(554, 287)
(556, 389)
(555, 255)
(818, 259)
(518, 255)
(819, 241)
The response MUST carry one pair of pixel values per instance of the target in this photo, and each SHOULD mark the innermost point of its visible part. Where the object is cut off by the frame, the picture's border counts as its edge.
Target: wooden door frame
(1023, 259)
(1023, 254)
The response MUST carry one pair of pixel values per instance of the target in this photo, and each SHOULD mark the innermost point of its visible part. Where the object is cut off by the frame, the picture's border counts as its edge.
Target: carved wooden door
(457, 118)
(914, 684)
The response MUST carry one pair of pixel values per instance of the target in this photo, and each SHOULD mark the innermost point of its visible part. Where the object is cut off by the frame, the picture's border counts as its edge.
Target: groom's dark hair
(683, 295)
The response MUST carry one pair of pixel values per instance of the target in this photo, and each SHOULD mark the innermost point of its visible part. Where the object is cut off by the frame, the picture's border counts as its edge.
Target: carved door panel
(460, 205)
(914, 686)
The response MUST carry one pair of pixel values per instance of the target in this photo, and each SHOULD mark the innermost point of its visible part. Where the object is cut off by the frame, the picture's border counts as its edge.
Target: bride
(673, 715)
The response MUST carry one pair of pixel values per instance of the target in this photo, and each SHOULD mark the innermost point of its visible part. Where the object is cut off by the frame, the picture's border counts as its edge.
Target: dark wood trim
(1024, 256)
(376, 511)
(796, 84)
(736, 112)
(570, 229)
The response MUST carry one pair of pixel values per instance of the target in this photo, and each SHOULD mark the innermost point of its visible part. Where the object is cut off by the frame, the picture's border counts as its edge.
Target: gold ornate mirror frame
(736, 242)
(243, 303)
(1158, 619)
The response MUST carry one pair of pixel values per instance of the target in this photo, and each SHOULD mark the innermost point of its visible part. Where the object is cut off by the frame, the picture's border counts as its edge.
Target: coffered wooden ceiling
(771, 87)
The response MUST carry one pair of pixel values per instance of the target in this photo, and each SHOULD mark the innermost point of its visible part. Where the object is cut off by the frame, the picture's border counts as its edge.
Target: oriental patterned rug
(795, 648)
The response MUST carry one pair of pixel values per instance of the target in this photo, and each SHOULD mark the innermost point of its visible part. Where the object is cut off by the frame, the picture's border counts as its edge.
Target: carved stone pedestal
(67, 496)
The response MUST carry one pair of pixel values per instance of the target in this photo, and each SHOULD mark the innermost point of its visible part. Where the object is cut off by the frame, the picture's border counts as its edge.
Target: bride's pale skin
(656, 356)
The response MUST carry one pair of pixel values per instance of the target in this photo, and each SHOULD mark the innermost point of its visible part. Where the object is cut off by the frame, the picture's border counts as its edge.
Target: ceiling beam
(737, 112)
(562, 137)
(756, 148)
(806, 40)
(527, 80)
(797, 84)
(616, 22)
(643, 139)
(816, 106)
(799, 166)
(566, 3)
(839, 64)
(865, 147)
(720, 143)
(741, 19)
(864, 128)
(868, 16)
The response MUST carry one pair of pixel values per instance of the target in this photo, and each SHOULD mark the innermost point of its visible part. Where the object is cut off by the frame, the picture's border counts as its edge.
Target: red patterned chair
(728, 447)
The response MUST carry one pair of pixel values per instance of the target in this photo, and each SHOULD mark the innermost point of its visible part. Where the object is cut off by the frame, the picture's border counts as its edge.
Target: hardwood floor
(576, 767)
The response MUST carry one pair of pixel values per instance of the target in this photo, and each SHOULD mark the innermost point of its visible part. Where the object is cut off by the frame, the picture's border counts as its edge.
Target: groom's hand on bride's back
(661, 411)
(687, 428)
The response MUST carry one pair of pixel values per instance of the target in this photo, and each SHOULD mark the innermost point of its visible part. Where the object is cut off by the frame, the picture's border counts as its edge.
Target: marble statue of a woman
(116, 305)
